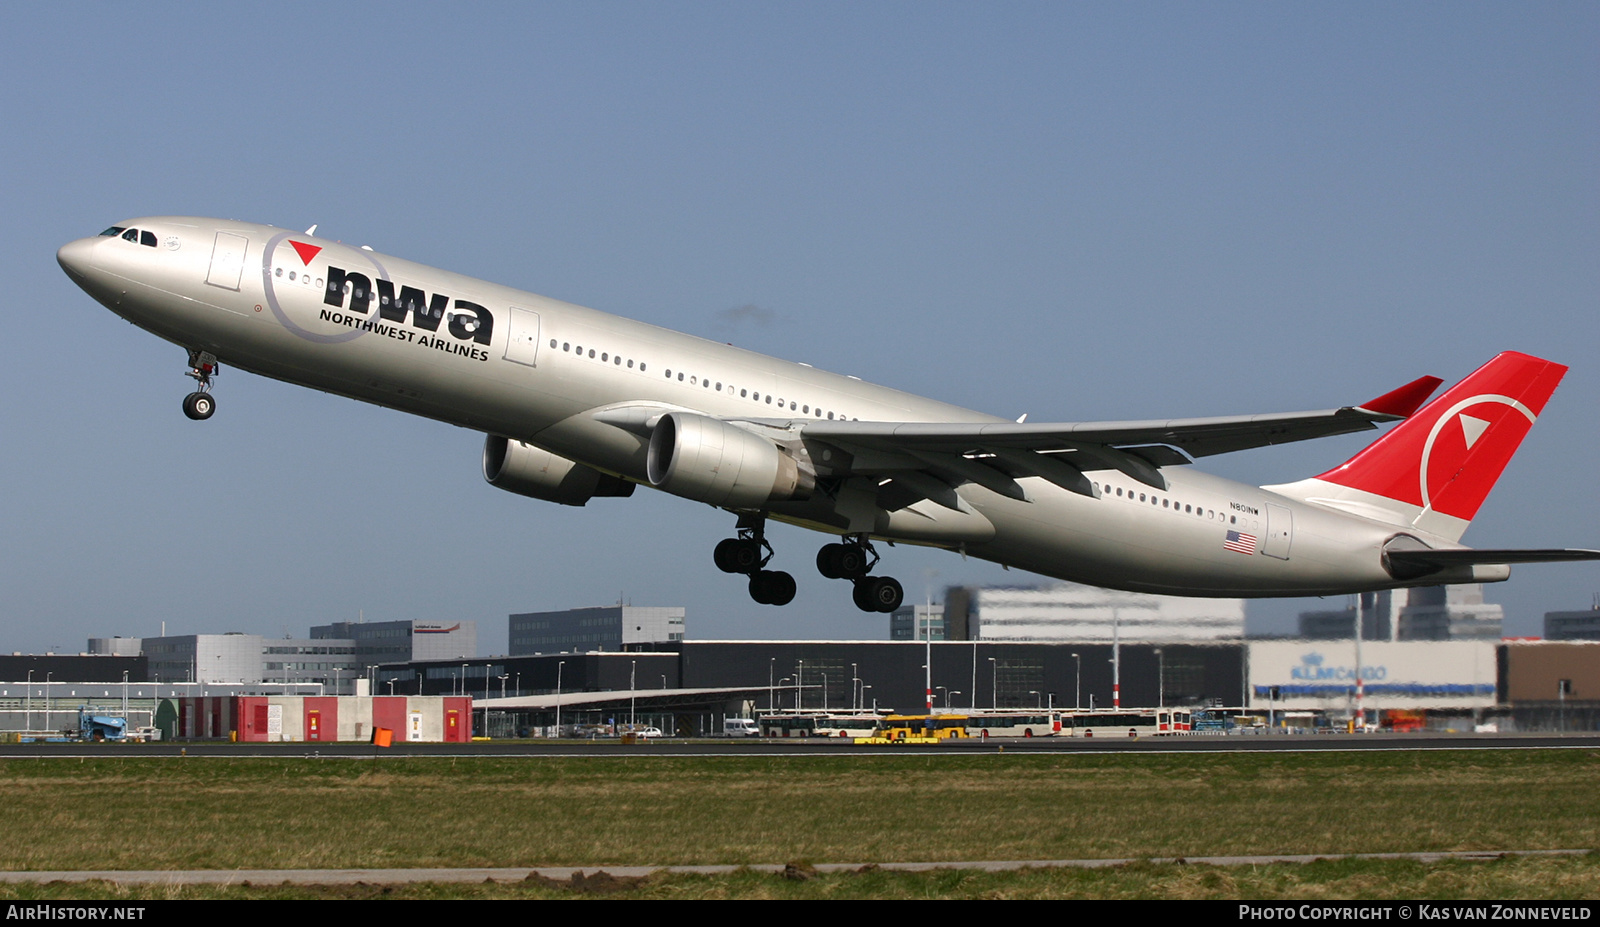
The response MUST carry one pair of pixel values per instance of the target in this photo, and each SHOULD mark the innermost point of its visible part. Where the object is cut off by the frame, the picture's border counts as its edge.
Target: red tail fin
(1447, 456)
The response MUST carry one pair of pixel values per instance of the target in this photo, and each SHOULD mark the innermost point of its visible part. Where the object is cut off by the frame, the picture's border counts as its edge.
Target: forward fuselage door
(227, 260)
(522, 345)
(1280, 531)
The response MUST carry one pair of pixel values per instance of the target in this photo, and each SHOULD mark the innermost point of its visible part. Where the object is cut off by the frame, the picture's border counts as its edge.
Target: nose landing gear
(200, 404)
(853, 560)
(749, 554)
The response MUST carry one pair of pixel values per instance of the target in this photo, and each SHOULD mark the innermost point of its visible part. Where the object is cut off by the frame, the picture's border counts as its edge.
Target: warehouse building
(578, 630)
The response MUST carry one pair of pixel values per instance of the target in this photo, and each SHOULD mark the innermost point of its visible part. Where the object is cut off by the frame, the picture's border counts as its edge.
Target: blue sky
(1070, 210)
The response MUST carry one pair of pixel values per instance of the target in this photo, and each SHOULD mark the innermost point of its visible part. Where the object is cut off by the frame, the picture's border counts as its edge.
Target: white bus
(847, 724)
(818, 724)
(1127, 722)
(1022, 723)
(787, 724)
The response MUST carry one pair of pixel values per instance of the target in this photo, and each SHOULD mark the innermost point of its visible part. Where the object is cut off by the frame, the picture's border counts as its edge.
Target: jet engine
(712, 461)
(533, 471)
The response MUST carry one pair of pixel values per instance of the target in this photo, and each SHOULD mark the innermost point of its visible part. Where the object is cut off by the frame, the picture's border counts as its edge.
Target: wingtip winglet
(1403, 401)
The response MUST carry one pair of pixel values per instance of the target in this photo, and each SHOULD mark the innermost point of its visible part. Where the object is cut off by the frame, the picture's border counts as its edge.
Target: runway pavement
(767, 747)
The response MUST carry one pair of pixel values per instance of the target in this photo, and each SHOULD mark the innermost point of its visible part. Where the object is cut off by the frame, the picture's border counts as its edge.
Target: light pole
(1116, 658)
(972, 700)
(559, 665)
(1077, 683)
(994, 694)
(799, 677)
(633, 688)
(1161, 680)
(854, 681)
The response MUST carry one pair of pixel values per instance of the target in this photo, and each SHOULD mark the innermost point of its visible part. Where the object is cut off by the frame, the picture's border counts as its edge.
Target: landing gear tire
(877, 594)
(737, 555)
(772, 587)
(199, 406)
(842, 561)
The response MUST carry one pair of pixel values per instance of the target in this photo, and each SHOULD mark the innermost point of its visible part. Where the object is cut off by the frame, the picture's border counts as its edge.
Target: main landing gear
(749, 554)
(853, 560)
(200, 404)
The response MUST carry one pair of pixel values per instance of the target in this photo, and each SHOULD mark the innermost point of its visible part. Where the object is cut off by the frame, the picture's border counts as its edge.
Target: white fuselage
(511, 363)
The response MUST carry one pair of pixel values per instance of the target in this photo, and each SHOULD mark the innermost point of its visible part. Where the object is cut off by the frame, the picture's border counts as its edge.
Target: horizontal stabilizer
(1415, 564)
(1466, 557)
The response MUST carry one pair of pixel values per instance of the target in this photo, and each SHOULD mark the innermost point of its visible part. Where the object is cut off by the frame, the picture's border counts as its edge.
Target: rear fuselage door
(227, 260)
(1280, 531)
(522, 345)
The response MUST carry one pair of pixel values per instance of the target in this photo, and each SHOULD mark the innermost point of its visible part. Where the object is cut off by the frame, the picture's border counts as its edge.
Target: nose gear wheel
(200, 404)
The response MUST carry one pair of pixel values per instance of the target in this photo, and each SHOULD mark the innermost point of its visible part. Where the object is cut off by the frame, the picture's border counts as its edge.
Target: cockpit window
(148, 239)
(113, 232)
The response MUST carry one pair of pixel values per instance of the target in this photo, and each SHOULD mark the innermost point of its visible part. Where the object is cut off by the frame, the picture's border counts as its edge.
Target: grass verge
(407, 812)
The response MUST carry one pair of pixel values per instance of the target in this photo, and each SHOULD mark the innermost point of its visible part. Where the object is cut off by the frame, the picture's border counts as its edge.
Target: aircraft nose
(76, 257)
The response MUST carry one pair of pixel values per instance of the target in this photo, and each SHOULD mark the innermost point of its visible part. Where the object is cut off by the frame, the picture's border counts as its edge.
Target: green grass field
(641, 810)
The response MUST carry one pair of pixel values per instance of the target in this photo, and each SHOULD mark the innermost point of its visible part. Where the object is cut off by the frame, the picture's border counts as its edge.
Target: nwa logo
(467, 321)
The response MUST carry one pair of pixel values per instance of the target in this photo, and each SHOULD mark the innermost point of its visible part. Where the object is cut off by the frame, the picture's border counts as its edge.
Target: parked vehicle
(100, 728)
(740, 727)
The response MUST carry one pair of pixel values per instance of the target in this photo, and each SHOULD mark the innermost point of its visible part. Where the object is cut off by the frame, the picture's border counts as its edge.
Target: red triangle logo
(306, 252)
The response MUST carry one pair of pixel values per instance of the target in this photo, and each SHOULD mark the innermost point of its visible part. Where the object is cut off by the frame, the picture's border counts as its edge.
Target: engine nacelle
(533, 471)
(712, 461)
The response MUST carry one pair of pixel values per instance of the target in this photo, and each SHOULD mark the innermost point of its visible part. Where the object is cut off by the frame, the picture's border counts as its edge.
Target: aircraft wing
(994, 454)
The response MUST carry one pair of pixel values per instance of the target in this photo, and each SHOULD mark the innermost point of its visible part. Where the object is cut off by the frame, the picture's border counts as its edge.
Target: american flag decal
(1240, 543)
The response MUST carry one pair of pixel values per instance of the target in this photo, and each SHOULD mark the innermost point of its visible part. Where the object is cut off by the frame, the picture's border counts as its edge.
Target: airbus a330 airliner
(579, 404)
